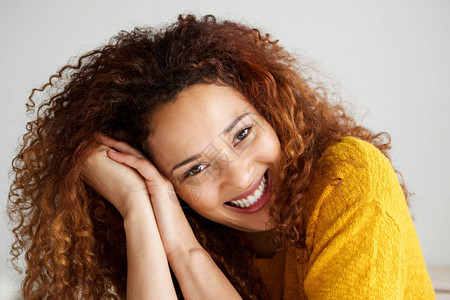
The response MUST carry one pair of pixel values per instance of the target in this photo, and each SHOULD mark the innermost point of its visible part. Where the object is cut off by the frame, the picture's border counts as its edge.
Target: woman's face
(214, 147)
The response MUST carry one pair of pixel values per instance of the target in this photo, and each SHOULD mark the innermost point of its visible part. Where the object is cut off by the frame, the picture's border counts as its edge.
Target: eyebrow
(198, 155)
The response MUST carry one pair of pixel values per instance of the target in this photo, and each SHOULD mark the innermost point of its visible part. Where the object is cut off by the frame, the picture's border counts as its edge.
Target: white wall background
(391, 59)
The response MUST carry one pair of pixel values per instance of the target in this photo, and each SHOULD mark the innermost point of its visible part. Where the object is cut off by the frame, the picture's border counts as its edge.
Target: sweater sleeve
(358, 257)
(355, 241)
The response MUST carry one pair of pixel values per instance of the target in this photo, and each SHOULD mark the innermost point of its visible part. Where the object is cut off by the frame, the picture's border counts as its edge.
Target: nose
(237, 173)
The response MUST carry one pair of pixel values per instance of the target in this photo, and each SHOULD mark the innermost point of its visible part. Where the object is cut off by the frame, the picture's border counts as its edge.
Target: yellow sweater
(360, 236)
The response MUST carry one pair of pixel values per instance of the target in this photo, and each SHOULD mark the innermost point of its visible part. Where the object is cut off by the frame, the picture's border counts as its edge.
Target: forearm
(199, 276)
(148, 275)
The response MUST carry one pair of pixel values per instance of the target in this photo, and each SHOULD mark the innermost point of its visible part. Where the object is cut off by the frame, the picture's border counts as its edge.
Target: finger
(140, 164)
(119, 146)
(158, 185)
(99, 151)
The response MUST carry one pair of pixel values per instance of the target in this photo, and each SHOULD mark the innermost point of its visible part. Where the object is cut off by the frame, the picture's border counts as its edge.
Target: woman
(199, 162)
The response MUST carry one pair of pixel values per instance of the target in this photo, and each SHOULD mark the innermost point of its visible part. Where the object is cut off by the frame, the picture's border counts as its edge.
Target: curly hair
(72, 238)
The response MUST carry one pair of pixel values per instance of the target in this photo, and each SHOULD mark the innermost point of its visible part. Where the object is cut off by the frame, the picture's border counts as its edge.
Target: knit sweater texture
(360, 238)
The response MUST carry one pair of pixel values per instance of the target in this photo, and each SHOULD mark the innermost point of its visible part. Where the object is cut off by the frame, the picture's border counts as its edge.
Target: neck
(260, 243)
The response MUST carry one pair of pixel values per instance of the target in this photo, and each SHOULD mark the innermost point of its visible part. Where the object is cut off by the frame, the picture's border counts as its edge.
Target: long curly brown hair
(72, 238)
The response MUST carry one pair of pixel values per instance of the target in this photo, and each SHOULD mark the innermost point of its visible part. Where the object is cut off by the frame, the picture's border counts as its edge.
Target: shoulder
(352, 174)
(354, 157)
(359, 232)
(357, 168)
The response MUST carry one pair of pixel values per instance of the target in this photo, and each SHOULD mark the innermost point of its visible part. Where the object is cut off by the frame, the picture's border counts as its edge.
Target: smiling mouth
(252, 202)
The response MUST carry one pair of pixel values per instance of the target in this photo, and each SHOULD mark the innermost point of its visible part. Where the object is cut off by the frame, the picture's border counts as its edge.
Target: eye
(242, 134)
(198, 168)
(194, 170)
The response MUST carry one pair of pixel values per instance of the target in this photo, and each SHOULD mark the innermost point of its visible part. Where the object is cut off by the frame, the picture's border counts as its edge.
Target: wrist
(135, 205)
(185, 252)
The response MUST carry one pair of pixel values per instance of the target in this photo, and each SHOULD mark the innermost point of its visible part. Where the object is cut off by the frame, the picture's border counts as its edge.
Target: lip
(260, 204)
(250, 191)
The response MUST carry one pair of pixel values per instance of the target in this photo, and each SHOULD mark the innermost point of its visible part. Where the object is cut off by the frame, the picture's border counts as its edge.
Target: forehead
(195, 119)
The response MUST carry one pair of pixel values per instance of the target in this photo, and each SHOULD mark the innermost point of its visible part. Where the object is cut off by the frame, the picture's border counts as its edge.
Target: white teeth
(252, 199)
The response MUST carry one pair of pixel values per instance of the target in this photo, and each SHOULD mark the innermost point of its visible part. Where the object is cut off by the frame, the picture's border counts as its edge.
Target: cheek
(189, 193)
(200, 198)
(274, 143)
(270, 143)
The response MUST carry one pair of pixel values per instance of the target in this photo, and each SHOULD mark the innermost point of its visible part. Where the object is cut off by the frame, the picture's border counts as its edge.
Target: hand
(175, 231)
(148, 274)
(121, 185)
